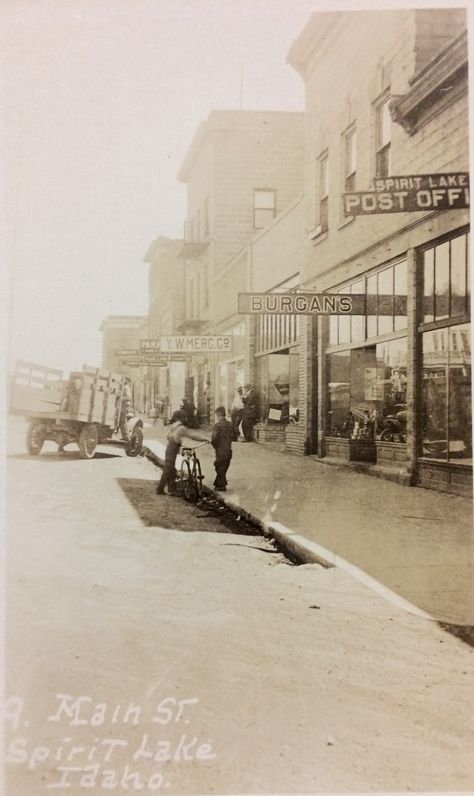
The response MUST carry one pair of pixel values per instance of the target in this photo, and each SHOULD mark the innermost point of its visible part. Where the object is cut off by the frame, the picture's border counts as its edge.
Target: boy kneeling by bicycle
(175, 436)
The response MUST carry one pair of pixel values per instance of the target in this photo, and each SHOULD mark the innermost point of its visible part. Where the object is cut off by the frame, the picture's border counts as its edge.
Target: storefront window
(358, 321)
(446, 415)
(386, 313)
(294, 397)
(446, 279)
(372, 319)
(339, 387)
(231, 376)
(442, 281)
(278, 386)
(391, 391)
(367, 392)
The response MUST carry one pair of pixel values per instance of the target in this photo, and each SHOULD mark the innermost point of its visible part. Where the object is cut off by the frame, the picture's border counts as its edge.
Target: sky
(103, 99)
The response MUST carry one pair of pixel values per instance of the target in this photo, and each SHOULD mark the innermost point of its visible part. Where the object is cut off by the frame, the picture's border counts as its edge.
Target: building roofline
(216, 121)
(121, 320)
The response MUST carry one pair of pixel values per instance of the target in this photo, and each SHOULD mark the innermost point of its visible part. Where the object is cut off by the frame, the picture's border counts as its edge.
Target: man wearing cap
(250, 413)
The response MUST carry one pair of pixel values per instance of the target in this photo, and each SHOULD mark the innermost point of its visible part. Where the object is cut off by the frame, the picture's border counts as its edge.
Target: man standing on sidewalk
(250, 412)
(221, 440)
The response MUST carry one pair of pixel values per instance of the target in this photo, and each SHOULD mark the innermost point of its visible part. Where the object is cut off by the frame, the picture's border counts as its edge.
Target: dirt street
(143, 657)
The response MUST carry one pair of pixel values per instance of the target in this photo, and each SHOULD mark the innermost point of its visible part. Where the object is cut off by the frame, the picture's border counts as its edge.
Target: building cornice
(441, 81)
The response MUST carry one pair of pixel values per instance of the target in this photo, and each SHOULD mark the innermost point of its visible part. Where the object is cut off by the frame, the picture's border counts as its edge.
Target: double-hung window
(323, 191)
(350, 160)
(264, 207)
(383, 134)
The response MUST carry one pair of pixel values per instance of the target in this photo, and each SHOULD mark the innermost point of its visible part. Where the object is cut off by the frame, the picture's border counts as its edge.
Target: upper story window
(323, 191)
(205, 275)
(383, 135)
(206, 217)
(350, 160)
(264, 207)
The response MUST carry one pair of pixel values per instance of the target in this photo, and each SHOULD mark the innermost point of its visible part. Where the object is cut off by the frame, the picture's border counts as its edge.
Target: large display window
(278, 386)
(446, 416)
(446, 410)
(366, 382)
(367, 392)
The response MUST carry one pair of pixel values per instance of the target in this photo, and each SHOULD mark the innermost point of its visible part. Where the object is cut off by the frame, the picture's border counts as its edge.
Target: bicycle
(191, 476)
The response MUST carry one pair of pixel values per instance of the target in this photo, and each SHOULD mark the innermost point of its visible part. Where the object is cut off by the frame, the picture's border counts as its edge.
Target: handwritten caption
(99, 747)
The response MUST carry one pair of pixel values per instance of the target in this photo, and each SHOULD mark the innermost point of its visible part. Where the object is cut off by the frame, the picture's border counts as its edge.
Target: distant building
(165, 317)
(243, 168)
(118, 333)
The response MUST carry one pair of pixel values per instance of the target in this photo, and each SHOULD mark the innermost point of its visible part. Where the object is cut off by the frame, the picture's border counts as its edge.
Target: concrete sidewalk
(413, 546)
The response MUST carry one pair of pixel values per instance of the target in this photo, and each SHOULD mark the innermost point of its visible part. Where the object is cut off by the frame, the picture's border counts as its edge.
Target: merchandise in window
(367, 392)
(446, 411)
(278, 383)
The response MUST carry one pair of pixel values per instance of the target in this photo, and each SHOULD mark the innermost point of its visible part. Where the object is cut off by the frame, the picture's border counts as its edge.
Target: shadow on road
(67, 456)
(175, 513)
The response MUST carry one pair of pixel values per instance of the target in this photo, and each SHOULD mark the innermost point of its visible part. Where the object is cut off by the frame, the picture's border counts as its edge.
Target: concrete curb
(305, 551)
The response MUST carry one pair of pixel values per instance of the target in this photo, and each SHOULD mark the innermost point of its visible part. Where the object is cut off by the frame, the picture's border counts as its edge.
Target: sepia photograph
(237, 501)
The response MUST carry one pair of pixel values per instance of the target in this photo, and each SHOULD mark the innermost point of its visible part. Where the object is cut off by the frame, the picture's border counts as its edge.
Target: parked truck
(88, 408)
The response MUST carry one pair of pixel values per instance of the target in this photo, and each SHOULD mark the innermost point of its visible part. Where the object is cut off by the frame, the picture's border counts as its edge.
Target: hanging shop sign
(197, 343)
(152, 359)
(151, 363)
(149, 345)
(320, 304)
(126, 352)
(413, 193)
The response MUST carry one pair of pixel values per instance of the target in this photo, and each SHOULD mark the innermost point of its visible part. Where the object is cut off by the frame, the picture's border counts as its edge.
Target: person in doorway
(125, 408)
(175, 436)
(221, 440)
(250, 413)
(236, 412)
(187, 406)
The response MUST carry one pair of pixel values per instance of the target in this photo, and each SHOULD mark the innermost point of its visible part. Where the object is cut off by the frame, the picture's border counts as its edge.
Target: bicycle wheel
(186, 480)
(198, 478)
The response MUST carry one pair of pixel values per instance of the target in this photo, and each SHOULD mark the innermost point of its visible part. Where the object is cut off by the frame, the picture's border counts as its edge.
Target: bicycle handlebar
(194, 447)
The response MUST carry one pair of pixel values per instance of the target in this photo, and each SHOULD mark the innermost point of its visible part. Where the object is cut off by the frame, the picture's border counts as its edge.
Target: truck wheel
(134, 444)
(34, 438)
(88, 439)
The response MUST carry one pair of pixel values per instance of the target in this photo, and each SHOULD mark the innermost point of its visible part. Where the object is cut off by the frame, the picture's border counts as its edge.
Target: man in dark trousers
(250, 412)
(221, 440)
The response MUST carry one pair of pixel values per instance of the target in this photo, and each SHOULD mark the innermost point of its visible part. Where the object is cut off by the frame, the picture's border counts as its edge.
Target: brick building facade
(386, 94)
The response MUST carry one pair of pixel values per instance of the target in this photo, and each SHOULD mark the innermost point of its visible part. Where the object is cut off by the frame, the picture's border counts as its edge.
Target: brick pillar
(413, 365)
(307, 380)
(323, 323)
(250, 360)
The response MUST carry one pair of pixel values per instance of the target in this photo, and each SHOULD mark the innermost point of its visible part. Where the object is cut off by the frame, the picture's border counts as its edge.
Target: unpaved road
(195, 662)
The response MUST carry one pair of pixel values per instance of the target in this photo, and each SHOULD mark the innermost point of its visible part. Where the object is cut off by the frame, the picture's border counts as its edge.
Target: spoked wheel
(34, 438)
(188, 484)
(198, 476)
(88, 439)
(135, 443)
